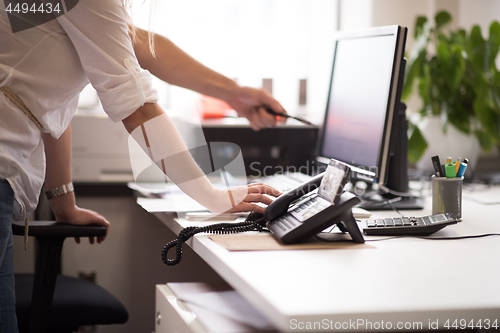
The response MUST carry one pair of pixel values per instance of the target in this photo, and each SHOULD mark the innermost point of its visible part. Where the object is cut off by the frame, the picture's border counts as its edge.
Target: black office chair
(42, 305)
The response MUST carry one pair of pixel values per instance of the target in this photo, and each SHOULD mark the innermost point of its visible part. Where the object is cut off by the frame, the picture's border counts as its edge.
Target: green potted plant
(456, 78)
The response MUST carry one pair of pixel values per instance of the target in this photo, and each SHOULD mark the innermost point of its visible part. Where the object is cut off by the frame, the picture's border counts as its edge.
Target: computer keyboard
(409, 226)
(285, 181)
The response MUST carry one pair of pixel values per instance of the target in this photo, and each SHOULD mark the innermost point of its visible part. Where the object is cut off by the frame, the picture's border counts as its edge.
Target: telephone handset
(295, 215)
(280, 205)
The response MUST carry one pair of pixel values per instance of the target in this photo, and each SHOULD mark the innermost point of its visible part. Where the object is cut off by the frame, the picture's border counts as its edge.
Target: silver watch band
(63, 189)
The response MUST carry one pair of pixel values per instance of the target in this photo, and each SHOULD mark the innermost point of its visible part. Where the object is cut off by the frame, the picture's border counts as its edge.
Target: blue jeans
(8, 319)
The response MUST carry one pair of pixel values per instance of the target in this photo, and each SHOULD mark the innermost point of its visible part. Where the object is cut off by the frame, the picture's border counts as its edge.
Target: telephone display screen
(333, 181)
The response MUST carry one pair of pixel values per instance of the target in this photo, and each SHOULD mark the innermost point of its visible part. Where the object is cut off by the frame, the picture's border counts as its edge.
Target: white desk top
(404, 281)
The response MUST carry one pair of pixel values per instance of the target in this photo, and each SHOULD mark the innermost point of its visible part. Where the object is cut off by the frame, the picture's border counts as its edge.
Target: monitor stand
(397, 175)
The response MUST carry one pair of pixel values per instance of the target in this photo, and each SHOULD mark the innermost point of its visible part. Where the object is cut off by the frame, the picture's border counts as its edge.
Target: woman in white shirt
(48, 65)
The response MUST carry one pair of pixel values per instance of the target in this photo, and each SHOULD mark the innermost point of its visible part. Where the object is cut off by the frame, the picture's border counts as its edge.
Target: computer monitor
(363, 123)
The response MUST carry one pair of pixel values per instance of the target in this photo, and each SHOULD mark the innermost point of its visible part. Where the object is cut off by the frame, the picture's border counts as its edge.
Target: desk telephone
(295, 215)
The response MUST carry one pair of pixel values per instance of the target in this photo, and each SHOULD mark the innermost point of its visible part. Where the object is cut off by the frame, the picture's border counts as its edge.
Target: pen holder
(447, 195)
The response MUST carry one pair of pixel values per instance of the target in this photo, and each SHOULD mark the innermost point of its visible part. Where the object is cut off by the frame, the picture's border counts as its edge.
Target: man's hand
(250, 103)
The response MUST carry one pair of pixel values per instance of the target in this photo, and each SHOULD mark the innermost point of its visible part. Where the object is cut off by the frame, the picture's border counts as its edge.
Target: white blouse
(47, 67)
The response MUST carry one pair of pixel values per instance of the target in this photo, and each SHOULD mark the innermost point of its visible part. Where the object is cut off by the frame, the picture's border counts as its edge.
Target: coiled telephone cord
(218, 228)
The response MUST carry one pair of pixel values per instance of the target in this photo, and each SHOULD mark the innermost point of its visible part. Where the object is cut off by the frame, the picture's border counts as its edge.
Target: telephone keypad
(310, 208)
(302, 211)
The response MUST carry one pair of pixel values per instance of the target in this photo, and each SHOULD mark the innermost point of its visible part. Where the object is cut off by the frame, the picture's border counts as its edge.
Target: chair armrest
(55, 229)
(50, 236)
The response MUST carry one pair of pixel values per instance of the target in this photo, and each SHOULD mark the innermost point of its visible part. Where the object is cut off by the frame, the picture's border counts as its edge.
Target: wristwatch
(63, 189)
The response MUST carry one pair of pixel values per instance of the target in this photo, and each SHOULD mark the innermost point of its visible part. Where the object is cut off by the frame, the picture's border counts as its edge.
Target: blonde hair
(132, 29)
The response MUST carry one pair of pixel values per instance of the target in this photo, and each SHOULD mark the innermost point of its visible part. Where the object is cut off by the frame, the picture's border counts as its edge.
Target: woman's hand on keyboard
(253, 197)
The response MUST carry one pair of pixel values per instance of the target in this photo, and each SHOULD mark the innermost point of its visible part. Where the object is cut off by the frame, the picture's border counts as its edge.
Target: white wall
(356, 14)
(465, 13)
(249, 40)
(481, 12)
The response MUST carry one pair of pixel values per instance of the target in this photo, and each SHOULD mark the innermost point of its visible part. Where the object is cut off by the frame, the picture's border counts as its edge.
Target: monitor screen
(362, 99)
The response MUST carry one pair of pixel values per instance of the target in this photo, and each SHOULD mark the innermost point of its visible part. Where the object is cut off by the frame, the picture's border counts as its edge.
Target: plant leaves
(477, 49)
(458, 37)
(492, 46)
(493, 99)
(413, 70)
(416, 145)
(416, 56)
(489, 119)
(495, 93)
(485, 141)
(457, 68)
(442, 38)
(459, 117)
(442, 18)
(420, 44)
(424, 86)
(419, 26)
(460, 83)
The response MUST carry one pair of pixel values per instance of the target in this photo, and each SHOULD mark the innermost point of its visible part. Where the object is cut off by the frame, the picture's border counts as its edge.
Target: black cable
(381, 202)
(394, 208)
(218, 228)
(398, 194)
(382, 239)
(461, 237)
(481, 202)
(435, 238)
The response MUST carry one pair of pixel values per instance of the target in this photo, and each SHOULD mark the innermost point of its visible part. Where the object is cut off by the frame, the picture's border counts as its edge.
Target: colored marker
(457, 166)
(437, 166)
(450, 170)
(448, 160)
(462, 168)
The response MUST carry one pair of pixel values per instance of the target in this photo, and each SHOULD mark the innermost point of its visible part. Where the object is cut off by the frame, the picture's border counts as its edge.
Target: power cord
(394, 208)
(398, 194)
(435, 238)
(481, 202)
